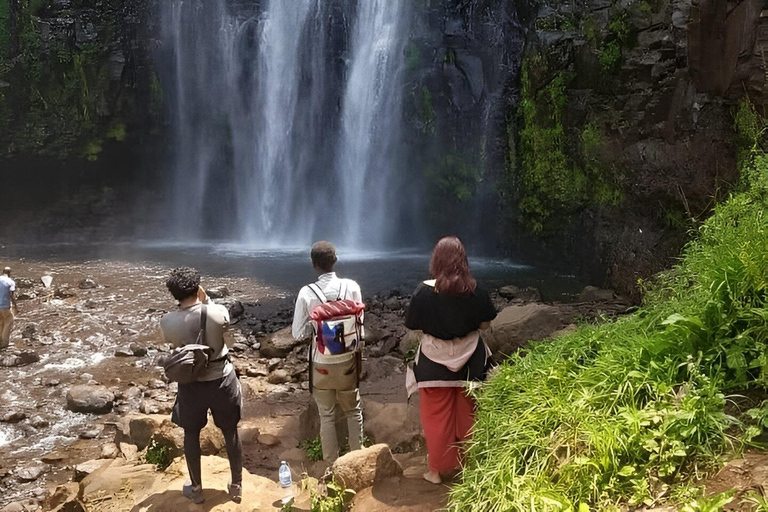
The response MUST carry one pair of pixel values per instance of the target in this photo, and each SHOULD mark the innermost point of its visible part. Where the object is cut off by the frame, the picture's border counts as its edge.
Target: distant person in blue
(334, 379)
(8, 307)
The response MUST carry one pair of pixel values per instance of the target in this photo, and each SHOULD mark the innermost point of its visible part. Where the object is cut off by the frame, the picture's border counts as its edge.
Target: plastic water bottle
(286, 481)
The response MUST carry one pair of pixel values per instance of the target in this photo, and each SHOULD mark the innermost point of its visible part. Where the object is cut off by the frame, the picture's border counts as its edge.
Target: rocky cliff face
(625, 125)
(463, 64)
(76, 76)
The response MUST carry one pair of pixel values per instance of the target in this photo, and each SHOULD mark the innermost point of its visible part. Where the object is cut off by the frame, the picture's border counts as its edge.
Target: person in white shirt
(8, 307)
(334, 380)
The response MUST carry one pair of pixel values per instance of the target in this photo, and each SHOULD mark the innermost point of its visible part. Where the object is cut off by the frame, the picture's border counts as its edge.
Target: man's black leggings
(193, 453)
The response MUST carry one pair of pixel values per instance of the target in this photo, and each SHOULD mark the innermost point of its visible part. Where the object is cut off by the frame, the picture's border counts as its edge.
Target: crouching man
(334, 380)
(217, 388)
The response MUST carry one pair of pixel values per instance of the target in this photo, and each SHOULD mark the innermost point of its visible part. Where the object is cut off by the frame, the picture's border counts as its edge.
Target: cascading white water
(371, 119)
(286, 117)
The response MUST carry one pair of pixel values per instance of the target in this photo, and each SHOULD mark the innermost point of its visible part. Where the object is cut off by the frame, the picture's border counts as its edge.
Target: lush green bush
(624, 410)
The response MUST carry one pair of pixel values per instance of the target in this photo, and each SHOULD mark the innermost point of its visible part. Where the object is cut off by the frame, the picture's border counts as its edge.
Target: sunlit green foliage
(336, 499)
(559, 171)
(619, 412)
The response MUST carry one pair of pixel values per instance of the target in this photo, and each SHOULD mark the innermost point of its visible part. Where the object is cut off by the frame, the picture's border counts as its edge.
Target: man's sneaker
(192, 494)
(235, 492)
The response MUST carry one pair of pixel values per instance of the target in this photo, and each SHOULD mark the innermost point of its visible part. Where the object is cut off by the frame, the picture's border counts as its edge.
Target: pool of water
(289, 268)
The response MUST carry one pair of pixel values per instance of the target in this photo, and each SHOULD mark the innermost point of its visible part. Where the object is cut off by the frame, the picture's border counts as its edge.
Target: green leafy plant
(314, 448)
(336, 499)
(710, 504)
(158, 454)
(757, 499)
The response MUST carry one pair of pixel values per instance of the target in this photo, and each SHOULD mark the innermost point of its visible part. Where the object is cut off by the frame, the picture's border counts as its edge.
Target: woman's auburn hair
(450, 268)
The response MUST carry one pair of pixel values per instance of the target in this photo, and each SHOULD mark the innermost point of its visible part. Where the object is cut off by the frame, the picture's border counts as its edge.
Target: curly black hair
(183, 282)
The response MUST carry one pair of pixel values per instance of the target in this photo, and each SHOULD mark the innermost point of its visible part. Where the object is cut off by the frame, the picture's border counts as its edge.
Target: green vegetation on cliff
(559, 168)
(63, 94)
(627, 411)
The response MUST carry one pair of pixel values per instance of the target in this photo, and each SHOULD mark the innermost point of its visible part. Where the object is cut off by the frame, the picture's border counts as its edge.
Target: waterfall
(285, 118)
(371, 117)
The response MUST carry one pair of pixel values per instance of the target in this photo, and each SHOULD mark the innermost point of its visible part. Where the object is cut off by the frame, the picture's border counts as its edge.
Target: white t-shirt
(331, 287)
(7, 287)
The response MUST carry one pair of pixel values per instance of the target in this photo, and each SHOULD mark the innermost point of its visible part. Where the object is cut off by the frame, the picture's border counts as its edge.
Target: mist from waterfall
(286, 119)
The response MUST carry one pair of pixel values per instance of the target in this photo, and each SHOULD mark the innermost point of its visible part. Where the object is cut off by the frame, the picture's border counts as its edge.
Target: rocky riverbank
(80, 388)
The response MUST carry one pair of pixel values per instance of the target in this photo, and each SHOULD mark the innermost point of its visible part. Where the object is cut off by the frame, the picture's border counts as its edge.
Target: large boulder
(143, 429)
(278, 344)
(90, 399)
(516, 325)
(361, 468)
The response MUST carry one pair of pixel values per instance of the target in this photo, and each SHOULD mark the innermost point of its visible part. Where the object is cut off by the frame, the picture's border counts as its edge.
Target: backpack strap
(318, 292)
(342, 290)
(203, 322)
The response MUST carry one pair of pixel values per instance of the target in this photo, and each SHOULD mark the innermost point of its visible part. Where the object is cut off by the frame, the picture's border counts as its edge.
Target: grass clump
(336, 499)
(623, 412)
(314, 449)
(159, 455)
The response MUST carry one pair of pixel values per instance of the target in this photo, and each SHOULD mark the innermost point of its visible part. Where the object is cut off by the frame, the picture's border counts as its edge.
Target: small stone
(149, 406)
(274, 363)
(90, 399)
(110, 451)
(90, 433)
(29, 331)
(52, 383)
(278, 377)
(236, 309)
(239, 347)
(13, 417)
(137, 349)
(392, 303)
(86, 377)
(54, 457)
(86, 468)
(217, 292)
(256, 371)
(129, 451)
(87, 284)
(64, 292)
(23, 358)
(16, 506)
(594, 294)
(123, 352)
(24, 283)
(39, 422)
(156, 384)
(30, 473)
(268, 440)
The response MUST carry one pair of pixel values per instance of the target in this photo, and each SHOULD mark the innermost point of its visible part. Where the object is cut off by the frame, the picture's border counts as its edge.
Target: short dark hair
(183, 282)
(323, 256)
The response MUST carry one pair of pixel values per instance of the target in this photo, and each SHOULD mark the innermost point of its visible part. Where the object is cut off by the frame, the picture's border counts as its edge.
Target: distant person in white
(335, 383)
(8, 307)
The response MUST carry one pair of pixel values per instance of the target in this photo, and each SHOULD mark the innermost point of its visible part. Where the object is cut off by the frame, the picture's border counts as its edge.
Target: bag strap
(203, 322)
(318, 293)
(343, 287)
